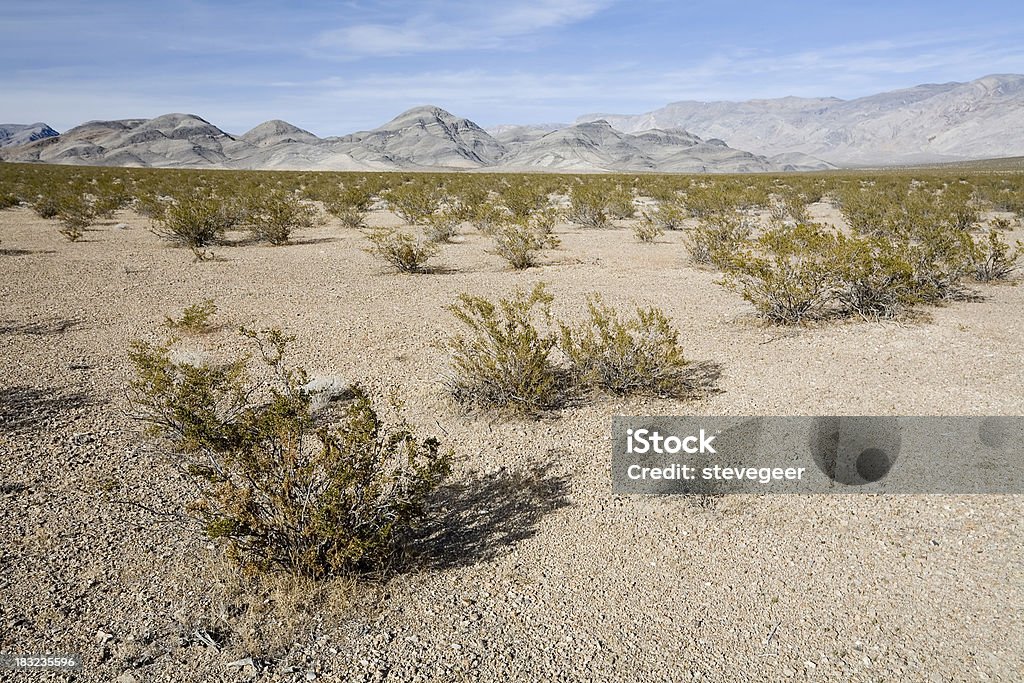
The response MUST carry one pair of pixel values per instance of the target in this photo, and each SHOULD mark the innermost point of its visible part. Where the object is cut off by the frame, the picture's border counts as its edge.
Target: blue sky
(337, 67)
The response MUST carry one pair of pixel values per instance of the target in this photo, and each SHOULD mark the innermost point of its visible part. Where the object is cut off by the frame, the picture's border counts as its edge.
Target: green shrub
(521, 197)
(647, 230)
(349, 205)
(874, 279)
(8, 201)
(401, 250)
(195, 318)
(619, 202)
(715, 237)
(993, 259)
(272, 215)
(788, 273)
(503, 360)
(197, 220)
(75, 215)
(283, 489)
(442, 226)
(636, 356)
(941, 257)
(413, 202)
(588, 206)
(669, 215)
(520, 244)
(46, 206)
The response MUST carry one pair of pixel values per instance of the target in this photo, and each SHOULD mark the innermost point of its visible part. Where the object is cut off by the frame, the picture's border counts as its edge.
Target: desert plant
(787, 273)
(635, 356)
(519, 244)
(442, 226)
(75, 215)
(715, 237)
(405, 252)
(647, 229)
(619, 202)
(588, 206)
(349, 205)
(502, 360)
(272, 215)
(413, 202)
(197, 220)
(8, 200)
(46, 206)
(195, 318)
(282, 489)
(874, 279)
(993, 259)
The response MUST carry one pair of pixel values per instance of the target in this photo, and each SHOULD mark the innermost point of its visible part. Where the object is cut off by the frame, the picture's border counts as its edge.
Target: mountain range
(924, 124)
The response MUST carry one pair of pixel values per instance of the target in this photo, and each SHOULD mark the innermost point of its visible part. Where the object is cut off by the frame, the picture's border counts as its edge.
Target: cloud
(456, 26)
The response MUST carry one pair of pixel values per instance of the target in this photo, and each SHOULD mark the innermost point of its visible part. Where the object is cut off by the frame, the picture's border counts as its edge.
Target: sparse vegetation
(520, 243)
(196, 221)
(993, 258)
(640, 355)
(402, 250)
(284, 490)
(195, 319)
(272, 215)
(503, 359)
(647, 230)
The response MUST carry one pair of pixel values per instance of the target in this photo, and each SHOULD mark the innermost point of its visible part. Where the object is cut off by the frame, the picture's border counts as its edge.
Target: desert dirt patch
(532, 568)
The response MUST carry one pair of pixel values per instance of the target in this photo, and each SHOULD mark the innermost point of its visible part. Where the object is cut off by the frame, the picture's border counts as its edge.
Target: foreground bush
(194, 319)
(199, 220)
(588, 206)
(75, 214)
(993, 259)
(787, 273)
(640, 355)
(401, 250)
(502, 360)
(285, 491)
(272, 215)
(715, 238)
(520, 243)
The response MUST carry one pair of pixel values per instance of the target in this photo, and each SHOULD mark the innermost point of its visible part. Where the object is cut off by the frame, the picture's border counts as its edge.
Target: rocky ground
(533, 570)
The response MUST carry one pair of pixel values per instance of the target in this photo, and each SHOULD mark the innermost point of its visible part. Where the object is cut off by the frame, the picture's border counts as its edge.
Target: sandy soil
(536, 571)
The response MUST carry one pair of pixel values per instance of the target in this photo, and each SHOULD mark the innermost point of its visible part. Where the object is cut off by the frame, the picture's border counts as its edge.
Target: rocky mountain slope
(20, 134)
(422, 138)
(926, 123)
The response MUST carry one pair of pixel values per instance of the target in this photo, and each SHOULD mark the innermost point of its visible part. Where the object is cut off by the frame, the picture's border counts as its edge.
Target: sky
(338, 67)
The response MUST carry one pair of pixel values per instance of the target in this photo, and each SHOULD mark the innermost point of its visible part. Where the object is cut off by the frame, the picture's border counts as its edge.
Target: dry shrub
(402, 250)
(504, 360)
(520, 243)
(640, 355)
(284, 489)
(195, 318)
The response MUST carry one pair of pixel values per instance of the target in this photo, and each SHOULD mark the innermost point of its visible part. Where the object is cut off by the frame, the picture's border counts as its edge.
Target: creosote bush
(640, 355)
(285, 489)
(195, 318)
(520, 243)
(198, 220)
(514, 357)
(588, 206)
(786, 273)
(993, 259)
(715, 238)
(647, 230)
(272, 215)
(402, 250)
(504, 360)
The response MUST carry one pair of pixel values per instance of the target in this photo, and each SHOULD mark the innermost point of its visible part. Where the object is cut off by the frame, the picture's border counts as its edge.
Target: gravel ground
(534, 570)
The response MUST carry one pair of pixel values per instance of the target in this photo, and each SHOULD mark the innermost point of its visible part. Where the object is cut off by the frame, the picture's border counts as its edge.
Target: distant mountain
(422, 138)
(596, 146)
(923, 124)
(20, 134)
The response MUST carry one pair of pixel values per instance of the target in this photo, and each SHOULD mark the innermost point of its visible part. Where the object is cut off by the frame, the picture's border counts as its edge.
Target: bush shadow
(484, 516)
(25, 408)
(46, 327)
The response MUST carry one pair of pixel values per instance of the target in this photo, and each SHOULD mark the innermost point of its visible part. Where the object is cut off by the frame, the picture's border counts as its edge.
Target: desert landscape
(524, 565)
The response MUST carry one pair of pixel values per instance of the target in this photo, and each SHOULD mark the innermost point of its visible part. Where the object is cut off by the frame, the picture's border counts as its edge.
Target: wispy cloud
(455, 26)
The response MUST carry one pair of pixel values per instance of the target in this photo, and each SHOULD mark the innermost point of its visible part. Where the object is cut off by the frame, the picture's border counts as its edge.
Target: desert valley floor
(535, 571)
